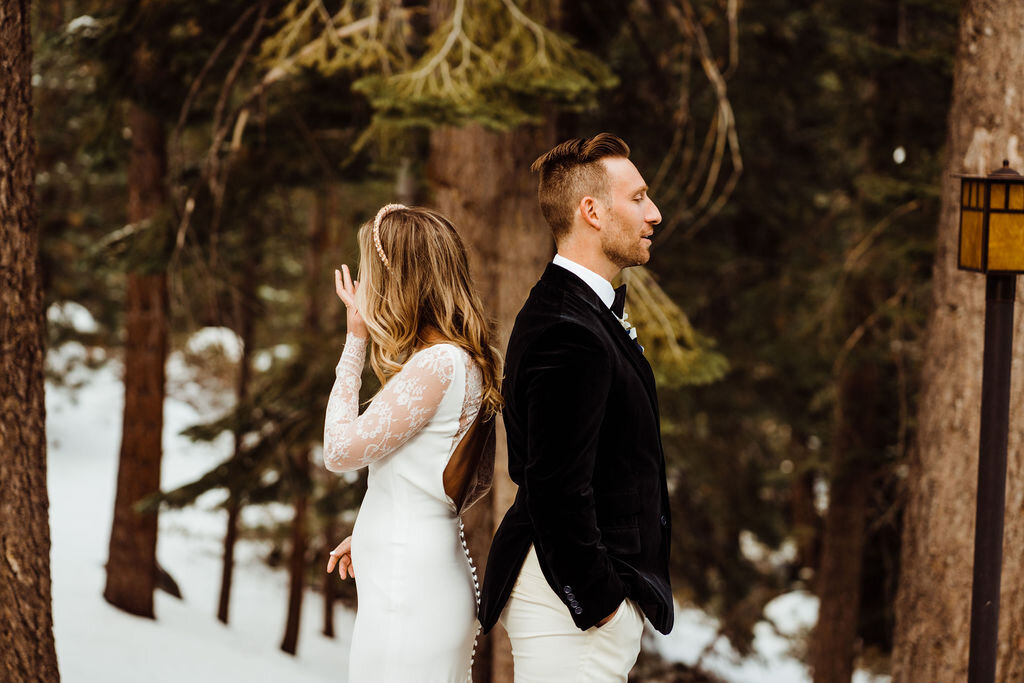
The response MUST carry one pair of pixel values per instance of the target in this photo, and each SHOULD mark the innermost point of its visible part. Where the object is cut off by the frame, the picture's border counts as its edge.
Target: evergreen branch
(665, 329)
(474, 73)
(285, 67)
(536, 29)
(453, 35)
(720, 137)
(711, 209)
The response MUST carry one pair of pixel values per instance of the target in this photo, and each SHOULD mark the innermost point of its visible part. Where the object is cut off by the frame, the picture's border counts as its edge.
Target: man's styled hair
(571, 171)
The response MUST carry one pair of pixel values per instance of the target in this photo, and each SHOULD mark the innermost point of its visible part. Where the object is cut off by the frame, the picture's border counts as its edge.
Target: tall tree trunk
(26, 618)
(227, 569)
(933, 605)
(131, 567)
(297, 565)
(839, 579)
(483, 184)
(243, 315)
(329, 580)
(332, 312)
(858, 444)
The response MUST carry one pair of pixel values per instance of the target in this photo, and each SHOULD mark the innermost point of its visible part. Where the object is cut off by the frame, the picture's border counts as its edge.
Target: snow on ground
(72, 314)
(791, 615)
(96, 642)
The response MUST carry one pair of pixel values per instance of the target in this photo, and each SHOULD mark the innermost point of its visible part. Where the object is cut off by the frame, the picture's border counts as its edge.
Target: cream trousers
(548, 646)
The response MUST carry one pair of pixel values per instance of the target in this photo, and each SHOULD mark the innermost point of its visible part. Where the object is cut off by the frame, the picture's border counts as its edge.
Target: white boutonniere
(627, 326)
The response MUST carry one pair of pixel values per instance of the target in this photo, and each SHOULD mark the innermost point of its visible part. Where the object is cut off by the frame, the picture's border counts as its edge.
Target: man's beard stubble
(627, 255)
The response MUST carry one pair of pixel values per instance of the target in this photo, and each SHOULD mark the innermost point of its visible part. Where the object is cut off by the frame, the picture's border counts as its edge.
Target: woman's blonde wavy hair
(427, 284)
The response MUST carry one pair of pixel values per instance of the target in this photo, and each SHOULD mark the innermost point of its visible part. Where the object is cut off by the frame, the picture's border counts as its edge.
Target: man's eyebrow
(642, 188)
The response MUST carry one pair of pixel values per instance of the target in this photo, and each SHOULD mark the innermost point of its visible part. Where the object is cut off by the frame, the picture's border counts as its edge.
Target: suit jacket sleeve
(568, 377)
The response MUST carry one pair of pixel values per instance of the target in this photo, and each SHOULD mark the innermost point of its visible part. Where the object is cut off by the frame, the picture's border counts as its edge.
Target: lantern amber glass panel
(1006, 227)
(992, 224)
(972, 220)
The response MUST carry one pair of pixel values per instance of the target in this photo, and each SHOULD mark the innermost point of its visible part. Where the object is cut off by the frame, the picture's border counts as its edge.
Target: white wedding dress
(417, 587)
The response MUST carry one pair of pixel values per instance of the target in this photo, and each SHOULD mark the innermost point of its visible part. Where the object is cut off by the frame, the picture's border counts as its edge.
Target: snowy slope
(96, 642)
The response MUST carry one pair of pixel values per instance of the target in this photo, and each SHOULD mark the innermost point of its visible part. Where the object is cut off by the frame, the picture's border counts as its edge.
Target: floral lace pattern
(474, 397)
(402, 408)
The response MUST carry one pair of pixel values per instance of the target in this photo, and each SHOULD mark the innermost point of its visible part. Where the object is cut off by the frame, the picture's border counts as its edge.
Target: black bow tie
(619, 303)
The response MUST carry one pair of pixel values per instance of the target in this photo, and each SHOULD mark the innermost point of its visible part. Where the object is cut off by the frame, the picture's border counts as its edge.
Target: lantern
(992, 222)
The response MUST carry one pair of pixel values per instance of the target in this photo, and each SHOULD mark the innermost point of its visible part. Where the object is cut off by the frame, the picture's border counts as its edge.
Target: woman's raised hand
(342, 557)
(346, 290)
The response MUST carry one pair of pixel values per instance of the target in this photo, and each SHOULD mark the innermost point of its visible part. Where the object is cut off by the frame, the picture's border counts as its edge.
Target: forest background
(202, 164)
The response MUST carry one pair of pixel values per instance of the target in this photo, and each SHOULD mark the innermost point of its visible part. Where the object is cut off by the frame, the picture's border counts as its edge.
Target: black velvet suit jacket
(584, 446)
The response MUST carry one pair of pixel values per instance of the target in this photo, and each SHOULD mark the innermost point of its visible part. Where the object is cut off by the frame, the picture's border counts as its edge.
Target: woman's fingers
(341, 557)
(349, 287)
(339, 285)
(343, 286)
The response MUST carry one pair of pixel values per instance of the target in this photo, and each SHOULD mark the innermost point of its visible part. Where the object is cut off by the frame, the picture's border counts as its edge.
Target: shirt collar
(601, 287)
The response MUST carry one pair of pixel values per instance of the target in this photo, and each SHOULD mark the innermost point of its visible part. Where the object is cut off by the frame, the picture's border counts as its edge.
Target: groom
(582, 555)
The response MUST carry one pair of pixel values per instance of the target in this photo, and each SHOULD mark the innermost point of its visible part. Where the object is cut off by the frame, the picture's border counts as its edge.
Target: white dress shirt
(601, 287)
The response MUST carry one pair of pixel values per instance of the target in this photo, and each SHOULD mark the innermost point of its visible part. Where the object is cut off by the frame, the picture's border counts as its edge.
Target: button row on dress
(476, 588)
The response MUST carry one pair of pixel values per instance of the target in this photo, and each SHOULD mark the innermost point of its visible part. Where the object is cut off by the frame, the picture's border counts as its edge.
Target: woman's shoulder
(439, 358)
(445, 354)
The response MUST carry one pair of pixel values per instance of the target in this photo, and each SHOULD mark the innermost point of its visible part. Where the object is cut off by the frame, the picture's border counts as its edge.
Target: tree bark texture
(26, 619)
(986, 121)
(482, 182)
(131, 567)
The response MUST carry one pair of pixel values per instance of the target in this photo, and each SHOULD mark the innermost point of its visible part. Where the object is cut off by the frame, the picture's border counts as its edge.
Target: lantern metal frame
(976, 195)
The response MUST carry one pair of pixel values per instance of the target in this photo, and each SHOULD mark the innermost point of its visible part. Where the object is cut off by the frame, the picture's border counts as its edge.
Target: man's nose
(652, 215)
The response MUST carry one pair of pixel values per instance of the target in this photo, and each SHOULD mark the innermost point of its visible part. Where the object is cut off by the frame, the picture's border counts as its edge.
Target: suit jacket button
(664, 521)
(567, 589)
(577, 610)
(570, 597)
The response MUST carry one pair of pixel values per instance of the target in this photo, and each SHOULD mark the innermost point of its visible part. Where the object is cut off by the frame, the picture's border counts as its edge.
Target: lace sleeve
(396, 414)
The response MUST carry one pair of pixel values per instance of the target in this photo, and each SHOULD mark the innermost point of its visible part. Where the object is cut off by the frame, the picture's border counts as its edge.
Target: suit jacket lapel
(632, 351)
(559, 277)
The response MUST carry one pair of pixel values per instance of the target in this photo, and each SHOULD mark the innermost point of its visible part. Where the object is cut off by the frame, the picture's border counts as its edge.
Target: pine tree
(28, 651)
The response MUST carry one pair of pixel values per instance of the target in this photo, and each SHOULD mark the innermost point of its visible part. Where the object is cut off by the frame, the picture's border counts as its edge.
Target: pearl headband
(384, 211)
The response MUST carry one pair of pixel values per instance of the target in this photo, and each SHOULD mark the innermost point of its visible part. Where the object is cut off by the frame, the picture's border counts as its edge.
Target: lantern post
(992, 242)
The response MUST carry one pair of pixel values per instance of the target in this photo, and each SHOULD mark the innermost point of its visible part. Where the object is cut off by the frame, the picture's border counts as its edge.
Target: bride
(427, 438)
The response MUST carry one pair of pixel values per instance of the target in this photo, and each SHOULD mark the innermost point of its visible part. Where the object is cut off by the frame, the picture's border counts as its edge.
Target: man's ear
(588, 209)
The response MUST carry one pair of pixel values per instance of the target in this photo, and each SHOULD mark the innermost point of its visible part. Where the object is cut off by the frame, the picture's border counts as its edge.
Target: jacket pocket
(622, 539)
